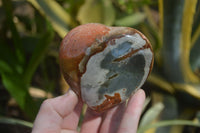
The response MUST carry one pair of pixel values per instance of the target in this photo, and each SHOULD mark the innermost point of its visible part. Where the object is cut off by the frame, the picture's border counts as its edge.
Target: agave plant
(174, 85)
(176, 69)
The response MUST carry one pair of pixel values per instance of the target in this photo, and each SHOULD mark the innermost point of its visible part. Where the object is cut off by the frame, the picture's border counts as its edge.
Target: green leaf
(5, 68)
(195, 55)
(192, 89)
(19, 51)
(58, 17)
(19, 91)
(198, 116)
(151, 114)
(109, 12)
(177, 29)
(151, 18)
(172, 24)
(90, 12)
(195, 51)
(38, 54)
(146, 102)
(131, 20)
(196, 24)
(15, 121)
(7, 59)
(170, 112)
(161, 83)
(169, 123)
(186, 43)
(93, 11)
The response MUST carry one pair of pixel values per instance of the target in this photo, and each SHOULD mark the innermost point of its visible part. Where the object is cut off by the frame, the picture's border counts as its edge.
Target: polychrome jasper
(105, 65)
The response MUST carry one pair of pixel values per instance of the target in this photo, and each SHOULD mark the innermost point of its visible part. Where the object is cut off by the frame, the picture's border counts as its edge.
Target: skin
(61, 115)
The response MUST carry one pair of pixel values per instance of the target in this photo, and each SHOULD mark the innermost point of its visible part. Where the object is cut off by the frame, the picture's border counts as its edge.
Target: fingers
(53, 111)
(70, 122)
(107, 122)
(91, 122)
(112, 119)
(132, 113)
(110, 122)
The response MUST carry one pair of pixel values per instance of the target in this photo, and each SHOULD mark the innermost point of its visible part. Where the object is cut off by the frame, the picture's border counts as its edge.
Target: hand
(61, 115)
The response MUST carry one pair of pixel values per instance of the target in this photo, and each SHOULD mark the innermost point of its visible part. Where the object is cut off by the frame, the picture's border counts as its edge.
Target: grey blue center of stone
(121, 49)
(123, 74)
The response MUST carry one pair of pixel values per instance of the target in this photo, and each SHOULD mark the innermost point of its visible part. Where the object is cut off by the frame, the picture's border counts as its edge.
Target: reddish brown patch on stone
(73, 48)
(108, 103)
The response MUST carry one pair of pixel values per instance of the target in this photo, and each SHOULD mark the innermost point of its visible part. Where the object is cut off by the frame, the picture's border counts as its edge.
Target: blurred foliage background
(31, 32)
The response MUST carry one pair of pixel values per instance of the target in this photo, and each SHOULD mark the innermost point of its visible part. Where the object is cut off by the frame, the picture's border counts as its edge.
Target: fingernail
(140, 91)
(71, 93)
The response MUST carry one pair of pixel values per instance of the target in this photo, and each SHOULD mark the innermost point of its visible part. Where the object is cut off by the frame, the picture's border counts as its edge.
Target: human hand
(61, 115)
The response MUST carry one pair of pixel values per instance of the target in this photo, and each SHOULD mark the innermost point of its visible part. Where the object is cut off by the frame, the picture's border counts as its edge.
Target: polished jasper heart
(105, 65)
